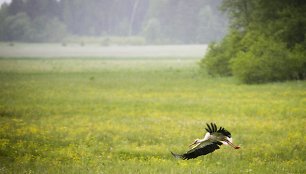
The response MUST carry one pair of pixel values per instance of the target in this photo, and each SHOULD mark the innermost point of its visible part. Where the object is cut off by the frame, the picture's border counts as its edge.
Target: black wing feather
(224, 132)
(201, 151)
(209, 128)
(213, 128)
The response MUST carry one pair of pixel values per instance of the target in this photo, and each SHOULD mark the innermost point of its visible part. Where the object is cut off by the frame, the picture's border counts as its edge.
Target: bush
(217, 59)
(271, 45)
(298, 62)
(216, 63)
(265, 60)
(255, 58)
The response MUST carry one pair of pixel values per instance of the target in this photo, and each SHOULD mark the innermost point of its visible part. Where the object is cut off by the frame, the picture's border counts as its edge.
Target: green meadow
(125, 115)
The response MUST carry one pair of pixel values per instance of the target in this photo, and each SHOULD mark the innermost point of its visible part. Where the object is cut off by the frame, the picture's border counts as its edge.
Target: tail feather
(176, 155)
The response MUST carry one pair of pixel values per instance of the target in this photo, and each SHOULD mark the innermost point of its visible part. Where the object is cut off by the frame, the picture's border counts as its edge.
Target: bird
(212, 141)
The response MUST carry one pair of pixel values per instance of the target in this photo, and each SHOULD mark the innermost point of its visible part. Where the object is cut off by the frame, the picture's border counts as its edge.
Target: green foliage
(272, 41)
(264, 60)
(16, 27)
(21, 27)
(125, 115)
(216, 63)
(298, 62)
(217, 59)
(45, 29)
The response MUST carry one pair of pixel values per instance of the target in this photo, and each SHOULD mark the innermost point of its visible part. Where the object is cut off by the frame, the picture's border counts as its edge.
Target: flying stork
(212, 140)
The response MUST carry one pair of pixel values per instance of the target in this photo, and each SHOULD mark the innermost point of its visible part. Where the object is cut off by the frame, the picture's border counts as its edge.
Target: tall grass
(125, 115)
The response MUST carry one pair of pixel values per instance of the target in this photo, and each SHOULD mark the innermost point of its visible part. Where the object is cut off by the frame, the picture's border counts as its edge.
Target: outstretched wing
(203, 150)
(213, 128)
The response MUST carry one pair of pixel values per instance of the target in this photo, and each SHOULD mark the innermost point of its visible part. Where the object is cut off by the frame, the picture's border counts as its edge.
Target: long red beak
(231, 144)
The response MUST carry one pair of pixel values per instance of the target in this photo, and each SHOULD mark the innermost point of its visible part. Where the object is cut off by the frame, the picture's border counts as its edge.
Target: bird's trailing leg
(194, 143)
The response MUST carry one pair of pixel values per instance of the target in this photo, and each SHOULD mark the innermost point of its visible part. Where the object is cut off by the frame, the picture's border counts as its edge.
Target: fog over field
(57, 50)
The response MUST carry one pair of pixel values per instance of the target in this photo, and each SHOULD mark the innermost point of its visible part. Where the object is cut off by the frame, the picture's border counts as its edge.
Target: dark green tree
(270, 45)
(16, 6)
(16, 27)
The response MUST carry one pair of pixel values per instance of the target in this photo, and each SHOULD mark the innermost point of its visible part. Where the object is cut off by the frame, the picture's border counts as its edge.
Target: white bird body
(211, 142)
(201, 142)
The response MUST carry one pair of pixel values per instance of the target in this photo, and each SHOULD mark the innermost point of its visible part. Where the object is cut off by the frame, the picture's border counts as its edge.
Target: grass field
(124, 115)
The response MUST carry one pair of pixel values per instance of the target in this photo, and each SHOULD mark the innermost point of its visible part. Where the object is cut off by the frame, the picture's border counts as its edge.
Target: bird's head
(229, 141)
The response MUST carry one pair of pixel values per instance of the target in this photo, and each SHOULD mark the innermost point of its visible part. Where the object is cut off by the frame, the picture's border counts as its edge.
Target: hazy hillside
(156, 21)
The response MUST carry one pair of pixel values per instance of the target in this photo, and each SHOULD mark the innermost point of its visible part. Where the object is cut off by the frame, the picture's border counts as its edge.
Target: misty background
(145, 21)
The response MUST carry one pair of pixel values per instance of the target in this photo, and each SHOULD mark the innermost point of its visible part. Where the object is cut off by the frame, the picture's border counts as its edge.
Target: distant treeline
(158, 21)
(266, 42)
